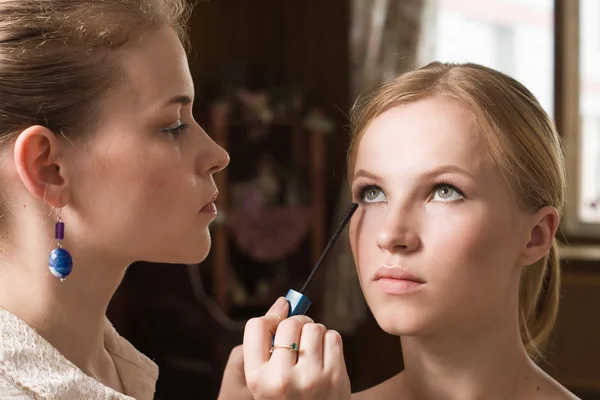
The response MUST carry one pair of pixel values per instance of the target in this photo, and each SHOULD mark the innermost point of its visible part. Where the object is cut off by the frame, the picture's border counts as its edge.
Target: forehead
(422, 135)
(156, 69)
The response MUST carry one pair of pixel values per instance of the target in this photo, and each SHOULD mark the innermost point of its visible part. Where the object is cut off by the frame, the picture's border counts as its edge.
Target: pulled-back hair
(523, 143)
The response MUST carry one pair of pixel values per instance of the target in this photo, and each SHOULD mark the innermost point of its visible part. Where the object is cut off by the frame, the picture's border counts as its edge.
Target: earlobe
(35, 155)
(541, 237)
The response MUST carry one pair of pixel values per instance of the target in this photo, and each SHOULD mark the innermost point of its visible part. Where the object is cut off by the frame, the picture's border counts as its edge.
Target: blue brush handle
(298, 303)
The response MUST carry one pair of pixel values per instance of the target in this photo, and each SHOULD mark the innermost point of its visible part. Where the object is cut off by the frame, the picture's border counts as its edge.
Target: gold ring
(291, 347)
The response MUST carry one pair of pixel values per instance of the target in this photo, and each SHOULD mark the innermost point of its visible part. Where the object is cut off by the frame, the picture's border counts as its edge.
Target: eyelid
(452, 186)
(176, 131)
(174, 125)
(359, 186)
(359, 190)
(448, 184)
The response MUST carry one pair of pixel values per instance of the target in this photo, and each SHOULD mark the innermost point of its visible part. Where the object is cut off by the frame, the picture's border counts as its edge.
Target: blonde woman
(461, 180)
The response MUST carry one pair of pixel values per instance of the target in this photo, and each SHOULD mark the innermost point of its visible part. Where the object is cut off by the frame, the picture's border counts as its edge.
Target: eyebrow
(365, 174)
(446, 169)
(436, 171)
(181, 99)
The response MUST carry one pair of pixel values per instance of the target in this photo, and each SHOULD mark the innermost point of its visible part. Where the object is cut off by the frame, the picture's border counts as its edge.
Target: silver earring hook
(46, 191)
(59, 212)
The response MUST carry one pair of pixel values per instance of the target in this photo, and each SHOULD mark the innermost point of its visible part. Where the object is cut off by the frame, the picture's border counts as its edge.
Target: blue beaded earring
(60, 261)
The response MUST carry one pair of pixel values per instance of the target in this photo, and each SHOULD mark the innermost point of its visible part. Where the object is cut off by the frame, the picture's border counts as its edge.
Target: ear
(36, 158)
(544, 224)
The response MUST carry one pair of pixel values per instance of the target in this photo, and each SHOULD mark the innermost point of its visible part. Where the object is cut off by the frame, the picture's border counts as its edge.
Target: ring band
(291, 347)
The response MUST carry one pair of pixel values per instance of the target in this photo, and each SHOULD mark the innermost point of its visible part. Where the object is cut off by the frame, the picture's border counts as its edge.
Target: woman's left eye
(175, 130)
(447, 193)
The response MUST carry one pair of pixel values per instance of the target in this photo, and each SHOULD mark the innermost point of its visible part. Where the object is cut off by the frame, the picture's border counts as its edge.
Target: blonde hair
(522, 141)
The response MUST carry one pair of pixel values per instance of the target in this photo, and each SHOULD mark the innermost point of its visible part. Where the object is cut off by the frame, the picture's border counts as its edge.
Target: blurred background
(275, 81)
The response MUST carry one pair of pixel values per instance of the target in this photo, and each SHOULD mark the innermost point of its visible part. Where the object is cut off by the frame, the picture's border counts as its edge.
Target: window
(589, 113)
(579, 113)
(512, 36)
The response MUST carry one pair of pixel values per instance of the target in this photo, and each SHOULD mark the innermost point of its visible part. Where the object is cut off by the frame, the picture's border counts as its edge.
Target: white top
(30, 368)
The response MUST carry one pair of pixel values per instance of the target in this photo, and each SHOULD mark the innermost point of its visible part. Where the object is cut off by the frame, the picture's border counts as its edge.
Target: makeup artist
(103, 165)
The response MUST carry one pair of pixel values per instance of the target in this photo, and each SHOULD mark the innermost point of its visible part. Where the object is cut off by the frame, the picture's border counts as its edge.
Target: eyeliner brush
(299, 303)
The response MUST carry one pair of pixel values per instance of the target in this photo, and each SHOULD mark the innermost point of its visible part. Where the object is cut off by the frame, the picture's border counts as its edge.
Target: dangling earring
(60, 261)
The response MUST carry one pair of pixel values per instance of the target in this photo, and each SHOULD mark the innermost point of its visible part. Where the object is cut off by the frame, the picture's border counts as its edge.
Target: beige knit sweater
(30, 368)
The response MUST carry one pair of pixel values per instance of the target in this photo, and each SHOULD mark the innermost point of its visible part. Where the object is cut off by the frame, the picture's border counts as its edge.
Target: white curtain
(385, 39)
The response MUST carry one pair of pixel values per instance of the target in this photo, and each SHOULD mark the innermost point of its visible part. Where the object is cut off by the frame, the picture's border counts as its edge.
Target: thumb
(277, 313)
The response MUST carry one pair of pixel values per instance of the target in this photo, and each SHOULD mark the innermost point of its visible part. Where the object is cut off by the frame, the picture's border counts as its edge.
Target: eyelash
(363, 187)
(445, 183)
(175, 132)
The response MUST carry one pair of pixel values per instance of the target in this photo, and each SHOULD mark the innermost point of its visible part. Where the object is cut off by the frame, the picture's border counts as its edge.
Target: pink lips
(210, 207)
(396, 281)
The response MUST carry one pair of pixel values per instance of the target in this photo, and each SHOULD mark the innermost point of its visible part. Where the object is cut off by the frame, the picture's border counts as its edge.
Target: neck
(488, 362)
(70, 315)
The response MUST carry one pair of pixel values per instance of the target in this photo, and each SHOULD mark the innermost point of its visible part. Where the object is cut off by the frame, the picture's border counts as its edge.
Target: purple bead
(59, 231)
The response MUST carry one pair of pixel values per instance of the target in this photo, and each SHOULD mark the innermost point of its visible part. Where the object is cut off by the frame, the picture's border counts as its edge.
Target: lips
(210, 207)
(395, 280)
(393, 272)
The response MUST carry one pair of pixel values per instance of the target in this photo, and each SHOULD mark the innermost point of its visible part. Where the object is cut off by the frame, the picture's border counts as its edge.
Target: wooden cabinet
(573, 355)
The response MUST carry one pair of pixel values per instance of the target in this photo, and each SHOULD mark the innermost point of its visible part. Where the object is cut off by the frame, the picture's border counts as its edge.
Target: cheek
(149, 171)
(128, 179)
(163, 193)
(365, 226)
(475, 244)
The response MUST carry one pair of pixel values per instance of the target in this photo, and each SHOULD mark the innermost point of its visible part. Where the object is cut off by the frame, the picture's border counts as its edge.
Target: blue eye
(175, 130)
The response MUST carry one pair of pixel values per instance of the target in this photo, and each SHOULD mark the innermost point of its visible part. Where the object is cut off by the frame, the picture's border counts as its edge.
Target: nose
(398, 234)
(214, 157)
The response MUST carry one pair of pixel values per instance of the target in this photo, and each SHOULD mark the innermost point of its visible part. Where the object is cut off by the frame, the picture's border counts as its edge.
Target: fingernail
(279, 306)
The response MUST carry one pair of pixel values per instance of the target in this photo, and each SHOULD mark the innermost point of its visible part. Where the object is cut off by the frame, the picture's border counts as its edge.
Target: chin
(401, 320)
(193, 257)
(185, 252)
(196, 254)
(397, 328)
(198, 258)
(197, 250)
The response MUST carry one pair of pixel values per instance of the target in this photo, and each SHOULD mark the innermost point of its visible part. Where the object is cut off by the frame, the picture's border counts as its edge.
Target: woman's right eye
(175, 130)
(372, 194)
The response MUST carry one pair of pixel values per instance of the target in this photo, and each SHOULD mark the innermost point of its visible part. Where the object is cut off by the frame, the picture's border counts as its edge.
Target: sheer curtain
(385, 38)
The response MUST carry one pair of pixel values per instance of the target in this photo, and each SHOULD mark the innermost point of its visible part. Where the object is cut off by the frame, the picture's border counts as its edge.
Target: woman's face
(143, 187)
(438, 234)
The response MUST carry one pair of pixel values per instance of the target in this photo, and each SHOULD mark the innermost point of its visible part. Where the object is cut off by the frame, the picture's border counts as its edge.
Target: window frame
(567, 110)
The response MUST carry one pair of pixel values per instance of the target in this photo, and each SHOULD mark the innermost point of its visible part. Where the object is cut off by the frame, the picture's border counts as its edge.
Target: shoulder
(386, 390)
(558, 393)
(120, 348)
(553, 391)
(137, 372)
(547, 388)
